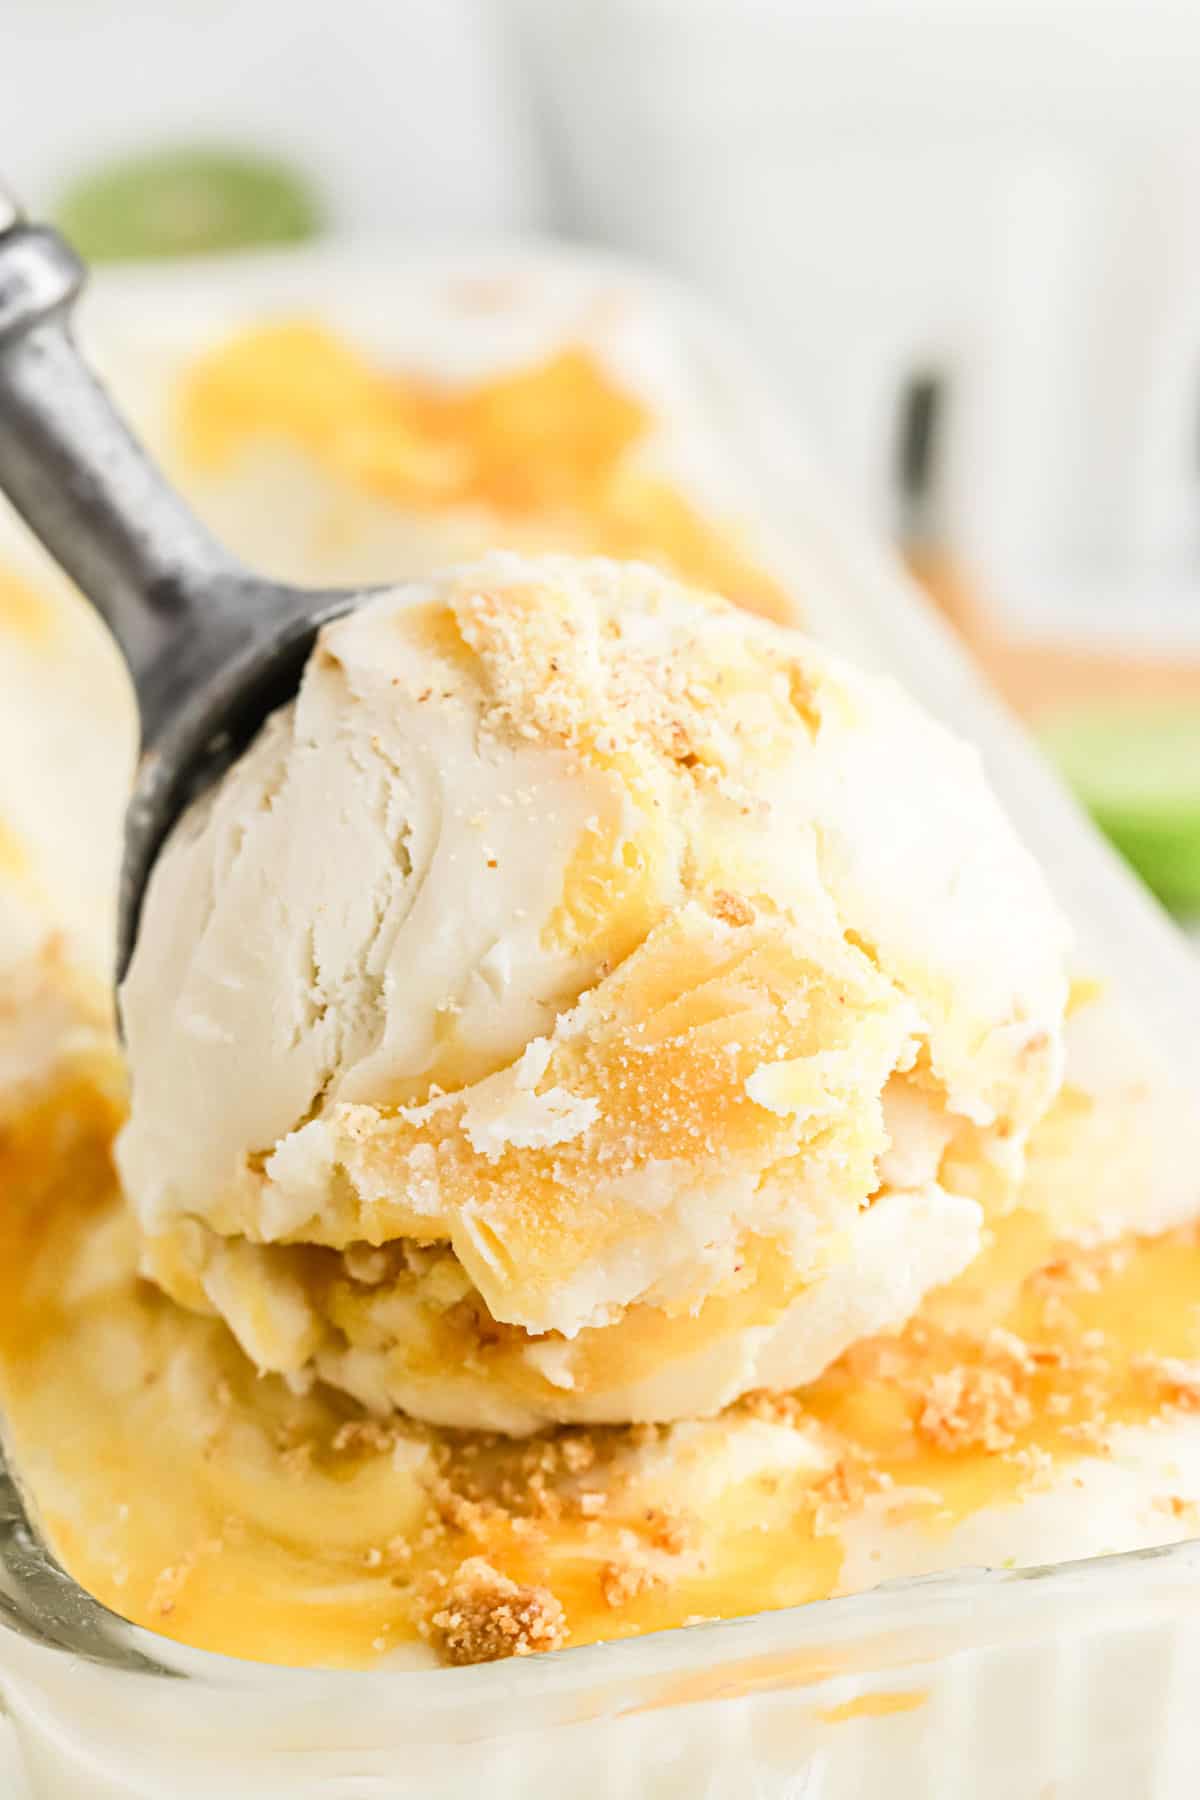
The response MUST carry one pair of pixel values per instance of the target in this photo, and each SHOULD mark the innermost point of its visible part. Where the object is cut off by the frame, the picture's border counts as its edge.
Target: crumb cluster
(638, 672)
(969, 1406)
(483, 1615)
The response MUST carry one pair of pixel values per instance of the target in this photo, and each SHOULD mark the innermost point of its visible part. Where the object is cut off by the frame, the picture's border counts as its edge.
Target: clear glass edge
(965, 1608)
(896, 1624)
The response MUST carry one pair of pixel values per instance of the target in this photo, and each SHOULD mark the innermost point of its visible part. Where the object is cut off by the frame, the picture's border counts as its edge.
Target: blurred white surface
(13, 1785)
(999, 194)
(409, 116)
(994, 195)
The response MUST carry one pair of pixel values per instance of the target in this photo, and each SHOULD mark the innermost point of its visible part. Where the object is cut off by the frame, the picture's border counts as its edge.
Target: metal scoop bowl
(211, 646)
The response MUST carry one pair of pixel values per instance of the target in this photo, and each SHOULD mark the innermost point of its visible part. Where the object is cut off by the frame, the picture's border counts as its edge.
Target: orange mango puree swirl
(556, 445)
(223, 1510)
(226, 1511)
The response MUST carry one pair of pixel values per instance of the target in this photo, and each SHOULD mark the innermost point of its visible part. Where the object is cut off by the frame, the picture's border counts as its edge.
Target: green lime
(179, 202)
(1136, 767)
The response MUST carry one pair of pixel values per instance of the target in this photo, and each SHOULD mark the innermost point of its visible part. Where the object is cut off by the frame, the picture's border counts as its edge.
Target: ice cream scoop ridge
(565, 1007)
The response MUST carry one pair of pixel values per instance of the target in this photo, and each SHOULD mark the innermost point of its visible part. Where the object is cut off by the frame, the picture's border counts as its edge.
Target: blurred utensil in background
(1124, 730)
(968, 227)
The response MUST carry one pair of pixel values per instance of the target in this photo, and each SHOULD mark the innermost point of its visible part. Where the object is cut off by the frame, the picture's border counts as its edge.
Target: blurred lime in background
(188, 200)
(1136, 767)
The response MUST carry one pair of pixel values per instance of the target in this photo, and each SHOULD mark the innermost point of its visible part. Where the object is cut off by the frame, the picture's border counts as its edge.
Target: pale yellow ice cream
(568, 1008)
(1043, 1404)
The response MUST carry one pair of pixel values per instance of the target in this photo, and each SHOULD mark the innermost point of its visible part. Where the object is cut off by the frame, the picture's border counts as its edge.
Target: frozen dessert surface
(566, 1008)
(1044, 1405)
(1041, 1401)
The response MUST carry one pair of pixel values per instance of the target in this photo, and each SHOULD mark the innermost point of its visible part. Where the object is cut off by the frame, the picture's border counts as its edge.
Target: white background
(1001, 192)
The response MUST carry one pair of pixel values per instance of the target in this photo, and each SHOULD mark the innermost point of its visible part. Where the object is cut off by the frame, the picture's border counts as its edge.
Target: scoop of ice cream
(564, 1009)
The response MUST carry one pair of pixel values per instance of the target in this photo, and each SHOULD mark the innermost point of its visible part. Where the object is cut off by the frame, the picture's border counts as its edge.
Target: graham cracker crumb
(1082, 1269)
(1176, 1383)
(173, 1579)
(732, 908)
(972, 1407)
(578, 1453)
(667, 1531)
(476, 1519)
(623, 1581)
(774, 1409)
(297, 1459)
(842, 1491)
(559, 666)
(363, 1434)
(486, 1616)
(1034, 1459)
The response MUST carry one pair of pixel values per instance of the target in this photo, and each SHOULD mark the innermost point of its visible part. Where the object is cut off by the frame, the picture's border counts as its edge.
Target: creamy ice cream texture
(568, 1007)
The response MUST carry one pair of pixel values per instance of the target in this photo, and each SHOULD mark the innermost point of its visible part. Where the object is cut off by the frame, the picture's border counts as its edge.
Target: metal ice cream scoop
(212, 647)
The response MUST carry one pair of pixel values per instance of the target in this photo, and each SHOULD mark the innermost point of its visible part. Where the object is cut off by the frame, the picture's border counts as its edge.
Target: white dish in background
(993, 1685)
(892, 194)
